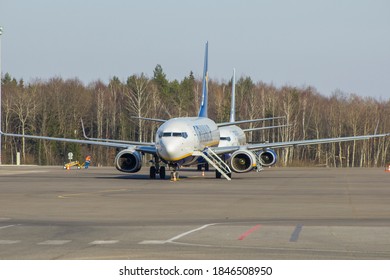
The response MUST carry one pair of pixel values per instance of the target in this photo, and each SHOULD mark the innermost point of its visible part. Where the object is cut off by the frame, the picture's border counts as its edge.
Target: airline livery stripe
(179, 158)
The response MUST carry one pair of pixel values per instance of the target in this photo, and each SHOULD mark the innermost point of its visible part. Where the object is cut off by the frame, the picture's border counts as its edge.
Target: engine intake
(242, 161)
(267, 157)
(129, 161)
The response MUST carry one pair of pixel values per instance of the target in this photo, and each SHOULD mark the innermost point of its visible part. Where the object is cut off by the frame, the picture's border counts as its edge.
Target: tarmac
(279, 213)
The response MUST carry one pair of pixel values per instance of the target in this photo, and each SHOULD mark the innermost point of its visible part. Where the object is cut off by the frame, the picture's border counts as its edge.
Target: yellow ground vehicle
(76, 163)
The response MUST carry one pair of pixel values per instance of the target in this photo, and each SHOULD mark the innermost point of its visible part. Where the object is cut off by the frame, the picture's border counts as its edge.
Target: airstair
(213, 159)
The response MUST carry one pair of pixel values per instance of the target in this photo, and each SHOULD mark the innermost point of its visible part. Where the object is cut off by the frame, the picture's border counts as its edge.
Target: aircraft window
(225, 138)
(174, 134)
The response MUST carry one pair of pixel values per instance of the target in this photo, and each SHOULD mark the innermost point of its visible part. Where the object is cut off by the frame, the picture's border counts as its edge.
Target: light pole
(1, 76)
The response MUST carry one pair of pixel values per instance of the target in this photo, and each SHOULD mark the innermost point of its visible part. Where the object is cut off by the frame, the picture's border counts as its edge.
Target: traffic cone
(387, 168)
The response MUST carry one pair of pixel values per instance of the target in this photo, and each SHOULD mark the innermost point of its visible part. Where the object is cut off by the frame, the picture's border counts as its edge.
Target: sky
(331, 45)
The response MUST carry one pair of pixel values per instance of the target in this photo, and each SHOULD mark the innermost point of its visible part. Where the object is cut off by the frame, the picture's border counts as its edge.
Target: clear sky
(329, 44)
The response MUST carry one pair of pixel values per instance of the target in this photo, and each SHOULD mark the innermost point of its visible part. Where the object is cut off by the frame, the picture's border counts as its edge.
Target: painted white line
(175, 237)
(54, 242)
(20, 172)
(70, 195)
(188, 232)
(104, 242)
(8, 226)
(9, 242)
(153, 242)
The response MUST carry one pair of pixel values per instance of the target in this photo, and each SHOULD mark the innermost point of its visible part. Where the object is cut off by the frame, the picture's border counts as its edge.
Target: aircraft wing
(265, 127)
(141, 148)
(114, 140)
(275, 145)
(248, 121)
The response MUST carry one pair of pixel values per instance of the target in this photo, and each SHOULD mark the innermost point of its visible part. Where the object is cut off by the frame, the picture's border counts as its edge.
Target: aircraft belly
(190, 161)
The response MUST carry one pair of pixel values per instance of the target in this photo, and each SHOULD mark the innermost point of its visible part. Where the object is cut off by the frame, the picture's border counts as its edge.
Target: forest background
(55, 107)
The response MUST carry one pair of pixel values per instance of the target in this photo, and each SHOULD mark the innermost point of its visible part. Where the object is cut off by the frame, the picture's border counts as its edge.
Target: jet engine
(129, 161)
(242, 161)
(267, 157)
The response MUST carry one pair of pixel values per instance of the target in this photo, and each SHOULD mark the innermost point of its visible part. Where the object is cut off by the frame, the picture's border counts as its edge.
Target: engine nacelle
(242, 161)
(129, 161)
(267, 157)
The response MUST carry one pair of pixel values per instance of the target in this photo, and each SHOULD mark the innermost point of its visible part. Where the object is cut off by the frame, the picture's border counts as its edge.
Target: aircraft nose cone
(168, 150)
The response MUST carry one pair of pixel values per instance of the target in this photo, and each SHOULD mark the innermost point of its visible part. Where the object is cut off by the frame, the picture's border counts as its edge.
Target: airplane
(181, 141)
(233, 135)
(230, 135)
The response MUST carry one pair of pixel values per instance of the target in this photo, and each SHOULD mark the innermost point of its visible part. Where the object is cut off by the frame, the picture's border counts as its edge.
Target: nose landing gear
(174, 173)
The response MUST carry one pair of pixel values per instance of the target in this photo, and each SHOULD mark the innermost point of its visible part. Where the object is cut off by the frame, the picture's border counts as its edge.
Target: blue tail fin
(203, 105)
(233, 102)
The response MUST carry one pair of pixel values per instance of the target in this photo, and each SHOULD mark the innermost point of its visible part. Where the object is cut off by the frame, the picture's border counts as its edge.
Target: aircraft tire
(217, 174)
(162, 172)
(152, 172)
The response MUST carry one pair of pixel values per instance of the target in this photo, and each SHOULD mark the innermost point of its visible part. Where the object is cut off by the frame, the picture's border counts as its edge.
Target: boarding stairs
(212, 158)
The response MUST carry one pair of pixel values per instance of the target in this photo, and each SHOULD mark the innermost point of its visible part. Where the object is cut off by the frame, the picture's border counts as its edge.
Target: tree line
(54, 107)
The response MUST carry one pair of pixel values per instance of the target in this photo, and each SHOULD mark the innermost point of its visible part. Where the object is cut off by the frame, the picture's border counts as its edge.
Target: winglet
(82, 126)
(203, 105)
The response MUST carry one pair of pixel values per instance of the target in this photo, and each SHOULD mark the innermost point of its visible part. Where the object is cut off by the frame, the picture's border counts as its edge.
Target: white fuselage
(178, 138)
(231, 135)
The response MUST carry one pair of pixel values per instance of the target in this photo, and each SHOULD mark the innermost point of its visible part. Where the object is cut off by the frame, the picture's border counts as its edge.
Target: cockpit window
(225, 138)
(174, 134)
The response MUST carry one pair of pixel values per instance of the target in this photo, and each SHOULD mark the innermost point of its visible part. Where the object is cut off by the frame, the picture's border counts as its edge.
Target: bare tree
(138, 99)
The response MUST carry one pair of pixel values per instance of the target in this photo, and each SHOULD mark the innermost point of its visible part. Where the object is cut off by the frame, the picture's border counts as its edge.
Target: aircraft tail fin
(203, 105)
(233, 101)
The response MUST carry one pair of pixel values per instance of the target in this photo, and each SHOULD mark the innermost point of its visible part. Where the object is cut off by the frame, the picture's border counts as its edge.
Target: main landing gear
(205, 165)
(156, 169)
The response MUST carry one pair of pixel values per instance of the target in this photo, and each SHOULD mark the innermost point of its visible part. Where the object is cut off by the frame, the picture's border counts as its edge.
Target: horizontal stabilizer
(248, 121)
(149, 119)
